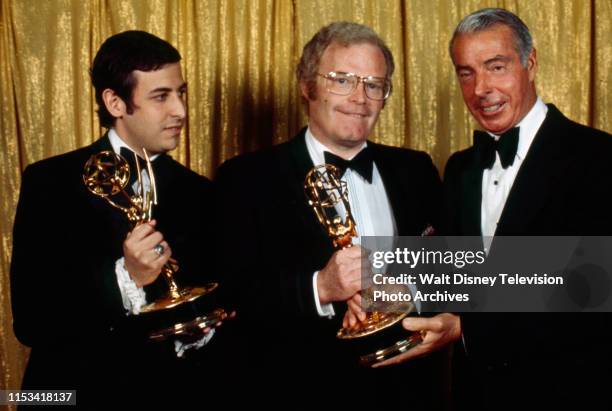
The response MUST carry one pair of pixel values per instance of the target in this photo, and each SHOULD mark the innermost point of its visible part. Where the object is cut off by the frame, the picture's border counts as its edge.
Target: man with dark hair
(79, 276)
(114, 65)
(291, 285)
(532, 172)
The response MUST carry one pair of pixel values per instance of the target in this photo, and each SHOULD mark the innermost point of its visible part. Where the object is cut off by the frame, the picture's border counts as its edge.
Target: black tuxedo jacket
(65, 298)
(274, 244)
(562, 188)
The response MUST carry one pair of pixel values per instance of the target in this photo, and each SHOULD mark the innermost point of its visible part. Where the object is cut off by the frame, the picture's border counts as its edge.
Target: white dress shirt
(497, 182)
(369, 205)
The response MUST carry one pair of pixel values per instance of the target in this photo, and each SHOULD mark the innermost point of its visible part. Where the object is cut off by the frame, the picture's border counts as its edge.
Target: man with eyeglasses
(291, 285)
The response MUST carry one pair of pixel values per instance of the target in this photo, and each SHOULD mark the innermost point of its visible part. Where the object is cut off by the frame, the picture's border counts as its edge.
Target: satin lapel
(536, 177)
(163, 171)
(296, 166)
(471, 190)
(397, 186)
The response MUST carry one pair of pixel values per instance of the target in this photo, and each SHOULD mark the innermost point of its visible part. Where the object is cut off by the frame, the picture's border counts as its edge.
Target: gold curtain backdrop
(238, 60)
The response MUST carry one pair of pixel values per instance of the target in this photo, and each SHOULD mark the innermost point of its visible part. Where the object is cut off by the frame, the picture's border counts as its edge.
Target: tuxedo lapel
(471, 182)
(295, 166)
(300, 162)
(537, 176)
(394, 179)
(467, 196)
(165, 183)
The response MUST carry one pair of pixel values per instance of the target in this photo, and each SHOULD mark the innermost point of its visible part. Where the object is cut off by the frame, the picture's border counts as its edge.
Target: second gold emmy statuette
(380, 335)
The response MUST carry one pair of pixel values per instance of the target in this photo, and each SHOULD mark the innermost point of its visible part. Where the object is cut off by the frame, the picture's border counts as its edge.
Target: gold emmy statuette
(106, 174)
(327, 195)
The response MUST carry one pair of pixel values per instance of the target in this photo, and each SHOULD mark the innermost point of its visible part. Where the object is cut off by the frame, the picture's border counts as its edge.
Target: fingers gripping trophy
(106, 174)
(380, 335)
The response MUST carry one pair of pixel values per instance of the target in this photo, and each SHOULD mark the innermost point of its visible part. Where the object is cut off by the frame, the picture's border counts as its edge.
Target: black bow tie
(506, 146)
(362, 163)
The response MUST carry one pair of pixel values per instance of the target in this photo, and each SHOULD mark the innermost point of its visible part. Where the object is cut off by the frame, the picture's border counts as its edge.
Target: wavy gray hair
(486, 18)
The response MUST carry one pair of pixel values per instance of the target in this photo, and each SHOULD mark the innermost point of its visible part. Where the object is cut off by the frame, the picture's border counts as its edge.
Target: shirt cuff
(133, 297)
(180, 348)
(324, 310)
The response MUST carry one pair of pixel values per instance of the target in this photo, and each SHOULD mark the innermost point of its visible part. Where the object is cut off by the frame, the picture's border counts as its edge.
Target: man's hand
(142, 261)
(354, 313)
(441, 330)
(341, 277)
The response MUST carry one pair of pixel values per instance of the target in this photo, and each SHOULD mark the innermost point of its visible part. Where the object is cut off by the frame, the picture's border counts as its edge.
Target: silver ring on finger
(159, 249)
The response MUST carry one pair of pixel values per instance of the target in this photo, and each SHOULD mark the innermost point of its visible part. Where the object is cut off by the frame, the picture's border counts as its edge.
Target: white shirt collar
(529, 126)
(117, 142)
(316, 148)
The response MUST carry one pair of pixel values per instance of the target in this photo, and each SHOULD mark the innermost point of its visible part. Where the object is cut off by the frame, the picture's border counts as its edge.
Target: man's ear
(304, 90)
(113, 103)
(532, 65)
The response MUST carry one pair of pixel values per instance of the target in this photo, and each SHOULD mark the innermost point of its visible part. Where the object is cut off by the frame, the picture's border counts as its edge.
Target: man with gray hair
(291, 286)
(530, 172)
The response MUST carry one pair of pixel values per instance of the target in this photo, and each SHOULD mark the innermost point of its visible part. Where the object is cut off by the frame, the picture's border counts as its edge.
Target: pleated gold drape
(239, 58)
